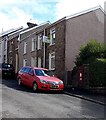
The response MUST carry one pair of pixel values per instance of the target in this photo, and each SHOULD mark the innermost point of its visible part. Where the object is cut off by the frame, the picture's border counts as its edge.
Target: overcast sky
(16, 13)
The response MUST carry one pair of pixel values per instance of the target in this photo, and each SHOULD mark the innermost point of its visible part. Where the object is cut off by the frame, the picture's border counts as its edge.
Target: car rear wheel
(35, 87)
(19, 81)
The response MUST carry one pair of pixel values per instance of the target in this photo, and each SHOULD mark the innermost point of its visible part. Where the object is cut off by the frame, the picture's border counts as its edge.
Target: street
(22, 102)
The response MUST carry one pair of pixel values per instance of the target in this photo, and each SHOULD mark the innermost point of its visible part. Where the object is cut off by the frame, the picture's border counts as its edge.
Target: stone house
(3, 44)
(13, 48)
(28, 46)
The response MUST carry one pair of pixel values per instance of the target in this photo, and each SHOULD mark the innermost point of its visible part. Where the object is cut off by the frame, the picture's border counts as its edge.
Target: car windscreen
(7, 66)
(40, 72)
(49, 72)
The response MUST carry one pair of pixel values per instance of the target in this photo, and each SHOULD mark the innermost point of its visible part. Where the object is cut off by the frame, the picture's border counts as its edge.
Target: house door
(16, 63)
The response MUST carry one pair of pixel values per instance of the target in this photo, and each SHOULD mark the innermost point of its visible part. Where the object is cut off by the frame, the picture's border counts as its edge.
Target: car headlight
(61, 82)
(43, 81)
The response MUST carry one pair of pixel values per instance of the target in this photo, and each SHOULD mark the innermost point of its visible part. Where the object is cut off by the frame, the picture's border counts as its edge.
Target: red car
(39, 79)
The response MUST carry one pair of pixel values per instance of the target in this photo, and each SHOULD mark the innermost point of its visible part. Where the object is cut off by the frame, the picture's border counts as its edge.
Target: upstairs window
(33, 44)
(25, 46)
(0, 49)
(40, 39)
(52, 36)
(5, 44)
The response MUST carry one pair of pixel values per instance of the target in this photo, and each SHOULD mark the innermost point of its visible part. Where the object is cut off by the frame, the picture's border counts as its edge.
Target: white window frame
(25, 47)
(0, 48)
(5, 44)
(52, 36)
(51, 56)
(39, 62)
(24, 62)
(33, 44)
(40, 40)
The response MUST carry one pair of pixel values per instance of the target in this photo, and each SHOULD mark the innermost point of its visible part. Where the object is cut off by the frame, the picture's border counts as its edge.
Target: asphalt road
(21, 102)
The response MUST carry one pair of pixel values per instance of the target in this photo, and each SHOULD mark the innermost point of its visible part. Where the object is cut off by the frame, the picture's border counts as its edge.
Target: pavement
(86, 95)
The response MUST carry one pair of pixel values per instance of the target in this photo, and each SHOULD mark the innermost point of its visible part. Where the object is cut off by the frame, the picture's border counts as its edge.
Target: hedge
(97, 69)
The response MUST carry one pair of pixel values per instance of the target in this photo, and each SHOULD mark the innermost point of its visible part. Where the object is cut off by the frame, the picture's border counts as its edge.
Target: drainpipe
(44, 52)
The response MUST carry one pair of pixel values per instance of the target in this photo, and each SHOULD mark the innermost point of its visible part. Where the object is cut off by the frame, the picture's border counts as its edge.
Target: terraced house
(28, 46)
(13, 47)
(4, 37)
(65, 38)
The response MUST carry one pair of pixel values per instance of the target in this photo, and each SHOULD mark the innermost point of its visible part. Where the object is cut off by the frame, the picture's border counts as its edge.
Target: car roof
(36, 68)
(40, 68)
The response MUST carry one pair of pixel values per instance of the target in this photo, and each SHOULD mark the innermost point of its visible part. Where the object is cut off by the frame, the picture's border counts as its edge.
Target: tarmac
(86, 95)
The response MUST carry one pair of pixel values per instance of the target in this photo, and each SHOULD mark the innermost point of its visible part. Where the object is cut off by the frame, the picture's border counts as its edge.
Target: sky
(16, 13)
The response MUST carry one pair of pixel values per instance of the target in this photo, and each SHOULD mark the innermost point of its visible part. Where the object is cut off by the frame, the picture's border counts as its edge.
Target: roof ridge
(85, 11)
(10, 31)
(48, 22)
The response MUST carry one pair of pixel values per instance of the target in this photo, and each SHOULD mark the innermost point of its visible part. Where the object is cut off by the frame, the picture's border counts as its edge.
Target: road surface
(21, 102)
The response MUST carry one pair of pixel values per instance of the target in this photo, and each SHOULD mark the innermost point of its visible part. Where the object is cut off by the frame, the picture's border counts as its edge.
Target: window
(31, 71)
(5, 44)
(10, 46)
(10, 59)
(52, 36)
(39, 62)
(0, 48)
(52, 61)
(25, 46)
(4, 59)
(33, 61)
(22, 69)
(40, 39)
(33, 44)
(24, 62)
(26, 70)
(40, 72)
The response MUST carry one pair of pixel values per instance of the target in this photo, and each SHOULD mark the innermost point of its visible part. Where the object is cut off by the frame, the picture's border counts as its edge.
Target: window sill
(10, 51)
(52, 44)
(39, 49)
(24, 53)
(16, 49)
(52, 69)
(33, 50)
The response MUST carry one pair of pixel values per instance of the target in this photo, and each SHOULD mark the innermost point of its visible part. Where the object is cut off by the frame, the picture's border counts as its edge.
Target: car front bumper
(50, 87)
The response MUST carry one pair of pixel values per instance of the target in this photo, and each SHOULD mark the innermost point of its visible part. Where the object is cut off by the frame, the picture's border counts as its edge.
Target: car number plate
(54, 86)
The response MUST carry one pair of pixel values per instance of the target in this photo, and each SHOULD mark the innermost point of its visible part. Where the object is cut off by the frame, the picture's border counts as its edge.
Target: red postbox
(80, 74)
